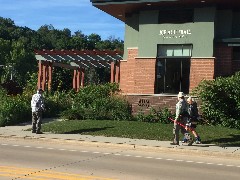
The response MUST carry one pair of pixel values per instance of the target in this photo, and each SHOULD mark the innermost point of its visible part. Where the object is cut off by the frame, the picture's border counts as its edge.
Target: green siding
(202, 33)
(131, 33)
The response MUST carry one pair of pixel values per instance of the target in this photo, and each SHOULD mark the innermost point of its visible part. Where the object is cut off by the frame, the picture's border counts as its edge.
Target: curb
(168, 149)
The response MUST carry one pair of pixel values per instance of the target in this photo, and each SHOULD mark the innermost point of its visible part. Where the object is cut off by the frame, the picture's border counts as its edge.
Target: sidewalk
(101, 141)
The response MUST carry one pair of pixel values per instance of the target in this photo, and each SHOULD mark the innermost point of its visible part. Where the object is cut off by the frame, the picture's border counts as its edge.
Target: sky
(72, 14)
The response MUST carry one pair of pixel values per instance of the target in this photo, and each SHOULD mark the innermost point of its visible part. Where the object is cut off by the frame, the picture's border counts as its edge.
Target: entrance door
(172, 75)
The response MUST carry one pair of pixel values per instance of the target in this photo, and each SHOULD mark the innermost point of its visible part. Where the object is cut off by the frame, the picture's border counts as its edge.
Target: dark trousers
(36, 121)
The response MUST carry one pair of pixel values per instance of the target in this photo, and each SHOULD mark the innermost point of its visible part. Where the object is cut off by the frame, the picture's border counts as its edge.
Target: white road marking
(127, 155)
(148, 157)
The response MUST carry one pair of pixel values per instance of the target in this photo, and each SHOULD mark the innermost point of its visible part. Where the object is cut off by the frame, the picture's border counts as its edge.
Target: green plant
(159, 115)
(220, 100)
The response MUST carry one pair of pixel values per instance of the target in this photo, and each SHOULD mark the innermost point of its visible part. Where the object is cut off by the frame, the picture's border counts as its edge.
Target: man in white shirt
(37, 105)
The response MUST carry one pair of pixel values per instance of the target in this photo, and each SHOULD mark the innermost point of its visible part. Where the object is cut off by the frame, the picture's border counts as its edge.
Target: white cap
(190, 99)
(181, 94)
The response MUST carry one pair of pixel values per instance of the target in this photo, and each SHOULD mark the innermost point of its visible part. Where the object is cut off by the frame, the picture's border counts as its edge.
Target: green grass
(141, 130)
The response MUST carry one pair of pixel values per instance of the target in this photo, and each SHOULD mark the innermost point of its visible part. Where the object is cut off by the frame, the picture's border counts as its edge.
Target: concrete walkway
(19, 131)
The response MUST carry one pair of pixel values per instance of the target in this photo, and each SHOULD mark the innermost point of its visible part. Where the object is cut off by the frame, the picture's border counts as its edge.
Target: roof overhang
(120, 8)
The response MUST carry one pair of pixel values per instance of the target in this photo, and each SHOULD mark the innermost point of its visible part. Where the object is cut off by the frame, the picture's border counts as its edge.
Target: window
(171, 50)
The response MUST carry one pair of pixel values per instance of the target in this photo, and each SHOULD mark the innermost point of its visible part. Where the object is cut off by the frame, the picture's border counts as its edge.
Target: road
(41, 160)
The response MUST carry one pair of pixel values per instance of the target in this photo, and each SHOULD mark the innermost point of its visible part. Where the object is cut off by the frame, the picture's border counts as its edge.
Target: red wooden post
(50, 68)
(117, 74)
(112, 72)
(78, 79)
(39, 75)
(82, 78)
(44, 77)
(74, 80)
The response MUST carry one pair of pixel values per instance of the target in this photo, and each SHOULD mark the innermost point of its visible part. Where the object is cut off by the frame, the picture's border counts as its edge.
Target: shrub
(220, 100)
(99, 102)
(14, 109)
(159, 115)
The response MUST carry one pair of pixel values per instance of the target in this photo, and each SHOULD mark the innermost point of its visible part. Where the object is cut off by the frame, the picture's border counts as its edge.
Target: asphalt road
(29, 159)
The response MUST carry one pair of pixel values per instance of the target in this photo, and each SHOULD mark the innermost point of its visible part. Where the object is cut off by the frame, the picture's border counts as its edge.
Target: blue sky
(72, 14)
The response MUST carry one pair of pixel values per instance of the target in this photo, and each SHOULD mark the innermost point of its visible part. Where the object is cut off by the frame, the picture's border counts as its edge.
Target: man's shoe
(39, 132)
(198, 140)
(33, 131)
(184, 140)
(174, 143)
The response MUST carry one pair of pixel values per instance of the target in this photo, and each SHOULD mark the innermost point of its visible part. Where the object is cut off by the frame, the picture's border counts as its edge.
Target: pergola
(77, 60)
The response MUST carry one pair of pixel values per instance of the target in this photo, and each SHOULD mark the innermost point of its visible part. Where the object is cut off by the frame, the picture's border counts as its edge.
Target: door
(172, 75)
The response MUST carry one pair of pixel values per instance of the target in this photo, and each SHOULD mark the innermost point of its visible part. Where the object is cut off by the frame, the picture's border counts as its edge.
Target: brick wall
(223, 54)
(137, 75)
(145, 102)
(236, 66)
(201, 68)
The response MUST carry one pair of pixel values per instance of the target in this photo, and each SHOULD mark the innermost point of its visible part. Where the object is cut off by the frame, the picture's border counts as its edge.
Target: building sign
(144, 103)
(169, 34)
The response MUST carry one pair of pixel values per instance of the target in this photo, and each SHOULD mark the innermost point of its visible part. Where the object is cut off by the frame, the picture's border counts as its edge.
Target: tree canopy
(17, 46)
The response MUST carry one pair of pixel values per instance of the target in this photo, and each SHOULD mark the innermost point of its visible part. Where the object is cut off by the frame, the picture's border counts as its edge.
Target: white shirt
(37, 102)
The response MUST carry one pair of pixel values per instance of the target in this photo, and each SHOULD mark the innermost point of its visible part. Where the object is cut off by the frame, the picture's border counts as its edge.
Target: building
(172, 45)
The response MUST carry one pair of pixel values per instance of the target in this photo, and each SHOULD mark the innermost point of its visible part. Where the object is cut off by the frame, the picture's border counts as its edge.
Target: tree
(93, 39)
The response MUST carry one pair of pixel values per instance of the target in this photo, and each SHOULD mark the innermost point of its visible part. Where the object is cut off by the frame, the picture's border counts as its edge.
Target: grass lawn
(141, 130)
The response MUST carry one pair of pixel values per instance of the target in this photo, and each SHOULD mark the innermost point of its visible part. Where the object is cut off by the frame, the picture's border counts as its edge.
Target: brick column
(223, 54)
(201, 69)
